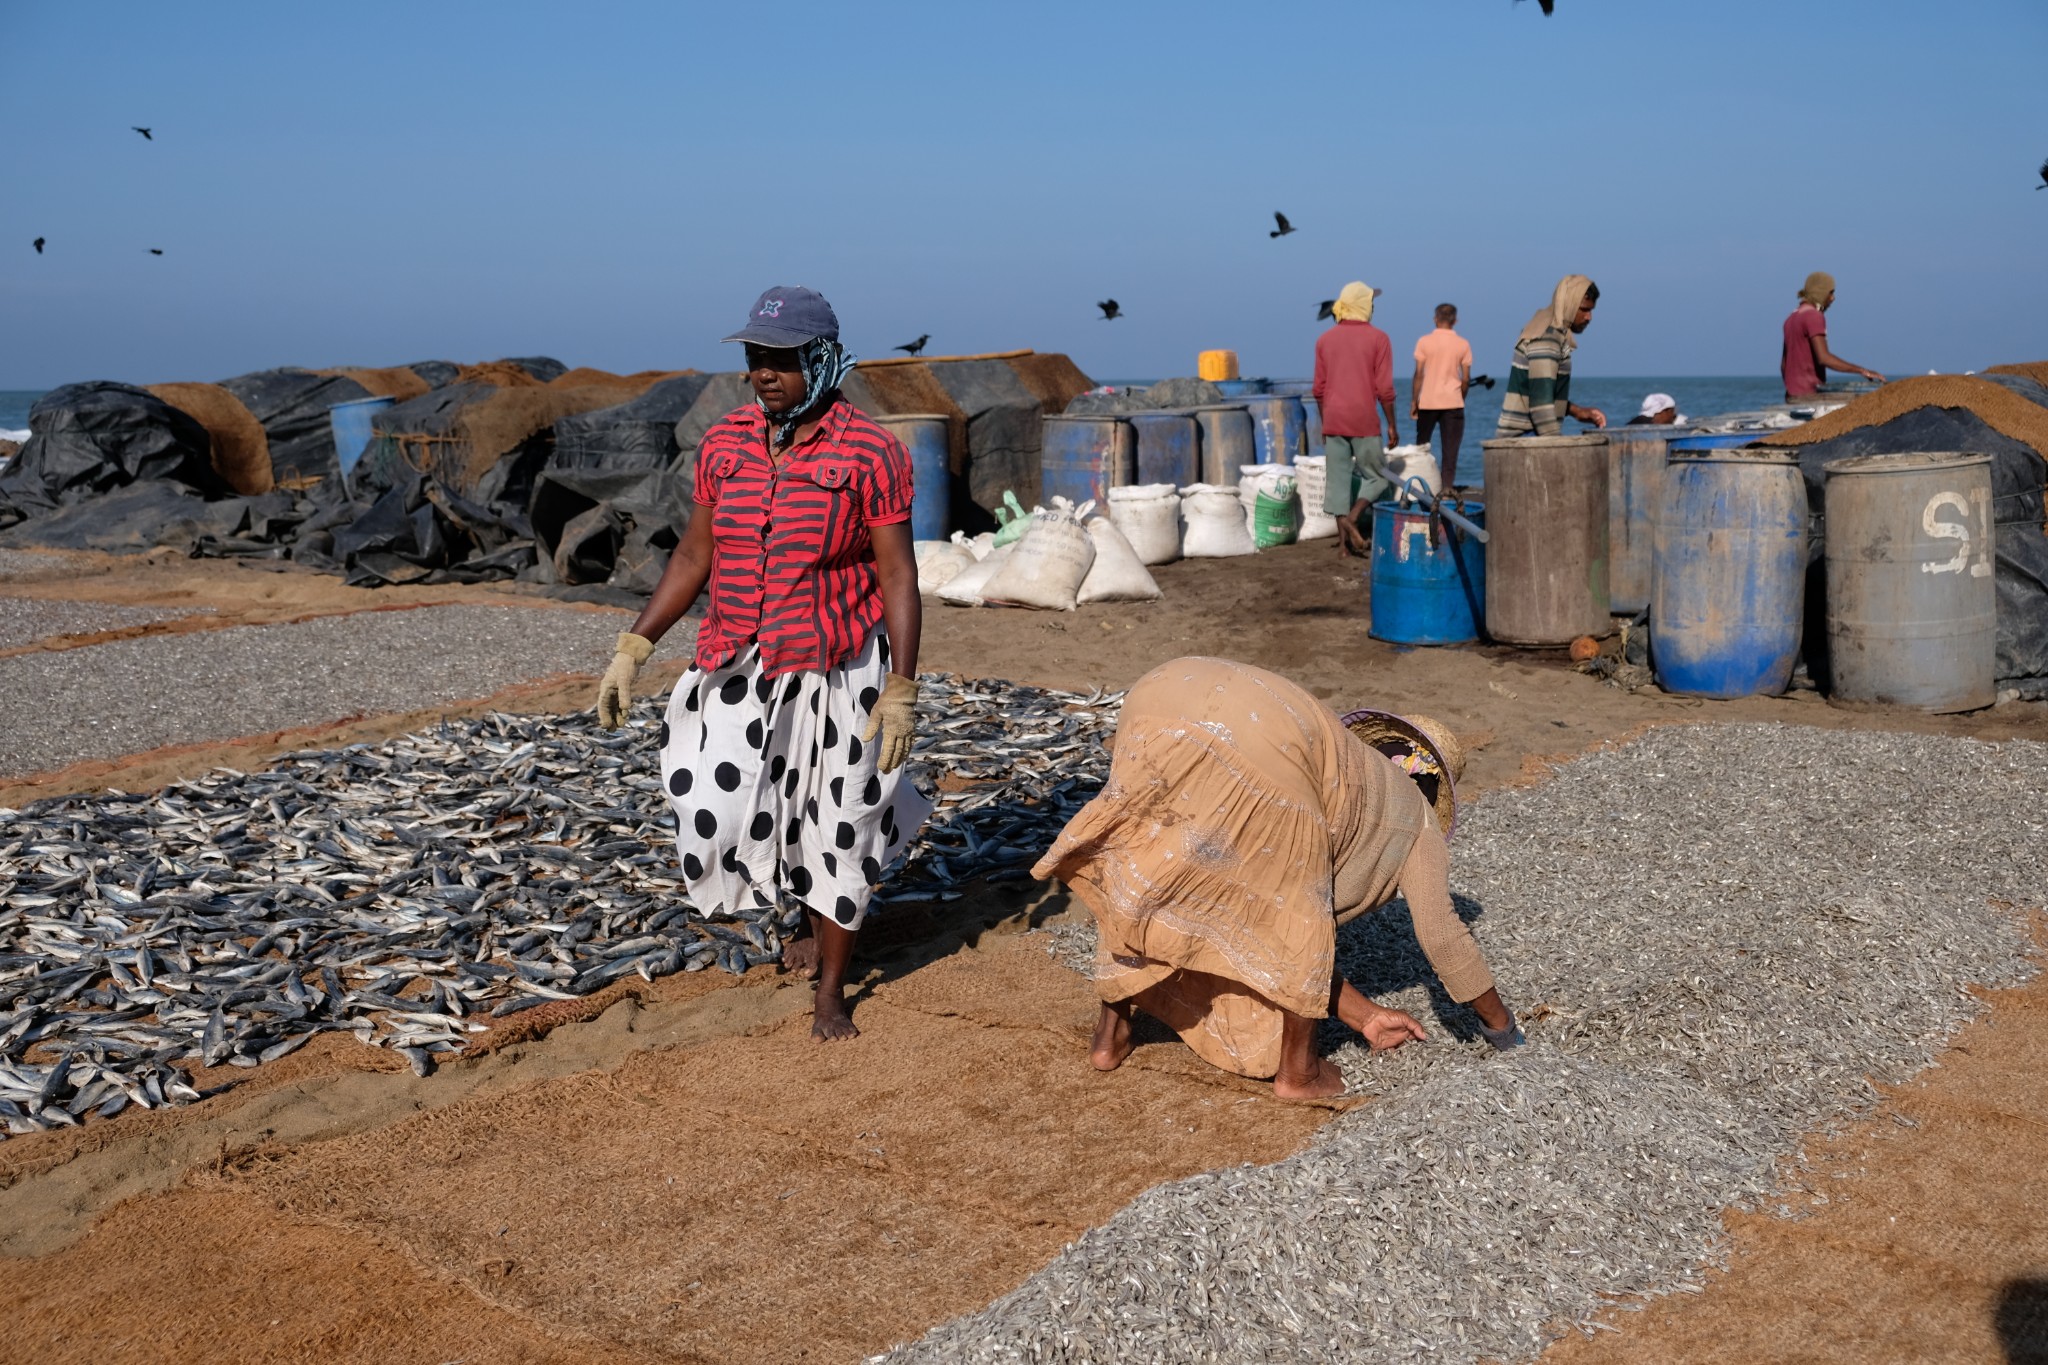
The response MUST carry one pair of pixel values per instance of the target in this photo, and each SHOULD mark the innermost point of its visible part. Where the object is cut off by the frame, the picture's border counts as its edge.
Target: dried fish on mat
(1719, 938)
(406, 891)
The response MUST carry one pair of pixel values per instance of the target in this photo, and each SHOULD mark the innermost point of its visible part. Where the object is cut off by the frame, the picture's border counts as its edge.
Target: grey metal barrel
(1635, 482)
(1226, 441)
(1912, 606)
(1546, 560)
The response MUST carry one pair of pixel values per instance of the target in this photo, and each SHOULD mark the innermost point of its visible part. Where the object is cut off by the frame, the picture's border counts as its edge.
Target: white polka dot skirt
(776, 795)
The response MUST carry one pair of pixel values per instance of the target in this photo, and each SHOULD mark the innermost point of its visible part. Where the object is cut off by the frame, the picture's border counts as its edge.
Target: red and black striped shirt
(792, 563)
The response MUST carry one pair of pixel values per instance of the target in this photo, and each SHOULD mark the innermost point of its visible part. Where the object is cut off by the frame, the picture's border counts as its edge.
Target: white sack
(1118, 575)
(965, 589)
(1148, 515)
(1311, 480)
(939, 562)
(1412, 462)
(1218, 526)
(1046, 563)
(980, 547)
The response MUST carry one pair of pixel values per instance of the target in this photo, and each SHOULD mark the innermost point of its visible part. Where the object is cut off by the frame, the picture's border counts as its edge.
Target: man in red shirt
(1806, 359)
(1355, 375)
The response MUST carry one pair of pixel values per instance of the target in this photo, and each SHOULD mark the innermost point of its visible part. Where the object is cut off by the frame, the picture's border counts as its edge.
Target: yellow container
(1215, 365)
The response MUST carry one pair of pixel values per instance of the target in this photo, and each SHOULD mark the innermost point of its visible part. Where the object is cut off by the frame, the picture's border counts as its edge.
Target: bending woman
(783, 743)
(1241, 824)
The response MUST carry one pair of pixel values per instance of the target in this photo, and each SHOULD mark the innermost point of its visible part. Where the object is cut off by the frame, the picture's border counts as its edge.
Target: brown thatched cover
(501, 373)
(241, 452)
(632, 385)
(1055, 380)
(1998, 407)
(492, 429)
(394, 381)
(885, 390)
(2036, 370)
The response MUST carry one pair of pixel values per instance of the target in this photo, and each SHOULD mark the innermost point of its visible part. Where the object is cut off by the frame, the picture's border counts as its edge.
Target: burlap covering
(1995, 405)
(1054, 379)
(885, 390)
(394, 381)
(241, 452)
(488, 431)
(2036, 370)
(502, 373)
(630, 385)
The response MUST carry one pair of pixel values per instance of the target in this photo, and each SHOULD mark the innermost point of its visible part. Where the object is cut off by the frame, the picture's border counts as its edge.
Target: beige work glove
(895, 716)
(615, 692)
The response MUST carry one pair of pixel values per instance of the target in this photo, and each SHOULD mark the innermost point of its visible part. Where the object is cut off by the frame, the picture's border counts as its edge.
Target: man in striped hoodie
(1540, 381)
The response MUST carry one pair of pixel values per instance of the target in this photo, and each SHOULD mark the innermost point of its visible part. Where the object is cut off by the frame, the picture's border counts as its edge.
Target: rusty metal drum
(1546, 556)
(1728, 581)
(1911, 599)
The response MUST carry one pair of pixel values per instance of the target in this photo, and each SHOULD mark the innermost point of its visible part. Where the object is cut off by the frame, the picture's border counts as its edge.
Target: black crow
(916, 347)
(1326, 309)
(1284, 227)
(156, 251)
(145, 134)
(1482, 381)
(1109, 310)
(2044, 177)
(39, 246)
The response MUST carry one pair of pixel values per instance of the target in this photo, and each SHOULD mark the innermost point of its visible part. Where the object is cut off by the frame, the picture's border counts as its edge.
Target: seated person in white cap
(1658, 410)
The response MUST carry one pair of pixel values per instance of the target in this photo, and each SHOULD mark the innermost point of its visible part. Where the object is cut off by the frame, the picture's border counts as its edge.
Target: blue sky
(613, 183)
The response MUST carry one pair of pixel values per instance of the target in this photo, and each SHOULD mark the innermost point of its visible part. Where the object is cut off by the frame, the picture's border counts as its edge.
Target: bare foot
(830, 1023)
(800, 955)
(1323, 1083)
(1352, 540)
(1112, 1038)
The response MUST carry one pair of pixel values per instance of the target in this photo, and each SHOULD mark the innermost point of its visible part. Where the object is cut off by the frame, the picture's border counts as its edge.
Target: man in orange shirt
(1443, 373)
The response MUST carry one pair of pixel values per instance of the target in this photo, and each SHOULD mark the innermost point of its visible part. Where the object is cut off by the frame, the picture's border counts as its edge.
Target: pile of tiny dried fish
(398, 891)
(1719, 937)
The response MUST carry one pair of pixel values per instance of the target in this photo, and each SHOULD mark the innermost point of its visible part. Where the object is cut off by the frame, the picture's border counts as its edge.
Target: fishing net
(503, 374)
(241, 452)
(1055, 379)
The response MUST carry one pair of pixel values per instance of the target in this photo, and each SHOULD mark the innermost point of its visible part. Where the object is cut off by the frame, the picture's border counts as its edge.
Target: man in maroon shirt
(1805, 361)
(1354, 376)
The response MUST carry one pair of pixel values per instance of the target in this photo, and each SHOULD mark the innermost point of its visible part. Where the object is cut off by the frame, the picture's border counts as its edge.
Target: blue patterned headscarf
(825, 364)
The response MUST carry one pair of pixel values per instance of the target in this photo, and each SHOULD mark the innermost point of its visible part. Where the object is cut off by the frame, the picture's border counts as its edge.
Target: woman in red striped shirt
(783, 746)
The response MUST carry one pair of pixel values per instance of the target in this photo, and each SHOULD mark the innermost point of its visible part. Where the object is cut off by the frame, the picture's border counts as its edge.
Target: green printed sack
(1273, 515)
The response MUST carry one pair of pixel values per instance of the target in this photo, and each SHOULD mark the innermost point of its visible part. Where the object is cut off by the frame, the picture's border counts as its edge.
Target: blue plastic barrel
(351, 425)
(1728, 574)
(1226, 441)
(1312, 424)
(1278, 424)
(1238, 388)
(928, 438)
(1428, 582)
(1168, 449)
(1083, 457)
(1293, 388)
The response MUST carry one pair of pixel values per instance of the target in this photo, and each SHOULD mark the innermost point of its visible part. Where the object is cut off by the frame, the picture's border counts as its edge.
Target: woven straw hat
(1428, 740)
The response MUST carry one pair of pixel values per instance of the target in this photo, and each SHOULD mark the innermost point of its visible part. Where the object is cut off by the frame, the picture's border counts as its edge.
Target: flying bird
(2044, 177)
(1326, 309)
(156, 251)
(145, 134)
(916, 347)
(39, 246)
(1284, 227)
(1110, 311)
(1482, 381)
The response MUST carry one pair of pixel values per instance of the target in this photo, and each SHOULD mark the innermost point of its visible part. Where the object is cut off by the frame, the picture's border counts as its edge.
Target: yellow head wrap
(1818, 286)
(1563, 310)
(1354, 304)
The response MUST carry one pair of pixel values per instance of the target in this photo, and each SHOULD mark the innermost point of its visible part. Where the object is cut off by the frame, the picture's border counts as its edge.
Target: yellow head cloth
(1818, 286)
(1354, 303)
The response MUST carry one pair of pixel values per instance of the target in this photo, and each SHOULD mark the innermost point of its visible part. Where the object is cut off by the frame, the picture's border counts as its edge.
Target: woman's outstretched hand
(615, 691)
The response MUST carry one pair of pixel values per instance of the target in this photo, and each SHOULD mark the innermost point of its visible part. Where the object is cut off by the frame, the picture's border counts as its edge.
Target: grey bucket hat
(789, 315)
